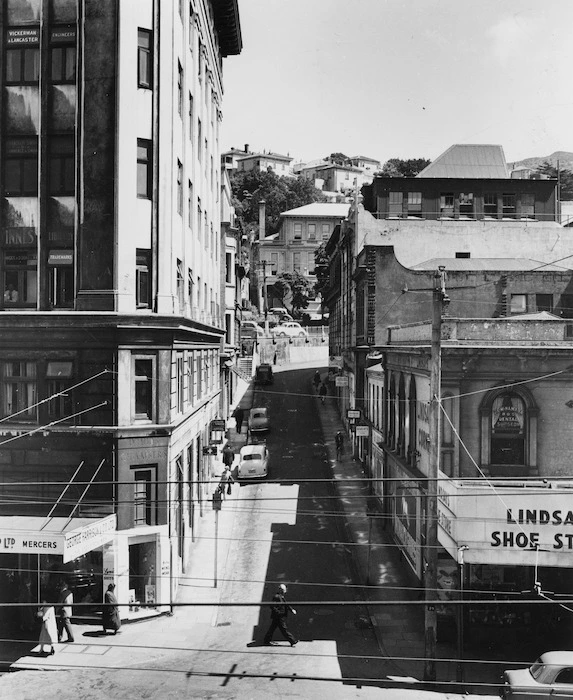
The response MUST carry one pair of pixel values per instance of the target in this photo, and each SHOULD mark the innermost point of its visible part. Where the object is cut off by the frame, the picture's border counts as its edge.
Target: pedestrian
(48, 631)
(228, 456)
(65, 603)
(239, 415)
(110, 618)
(279, 612)
(316, 380)
(226, 482)
(339, 441)
(322, 392)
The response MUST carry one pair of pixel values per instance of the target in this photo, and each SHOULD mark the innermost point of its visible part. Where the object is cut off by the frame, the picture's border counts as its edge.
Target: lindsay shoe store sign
(516, 528)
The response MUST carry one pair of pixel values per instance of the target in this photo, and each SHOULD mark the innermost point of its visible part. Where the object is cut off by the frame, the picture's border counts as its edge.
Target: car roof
(265, 365)
(560, 658)
(258, 410)
(253, 449)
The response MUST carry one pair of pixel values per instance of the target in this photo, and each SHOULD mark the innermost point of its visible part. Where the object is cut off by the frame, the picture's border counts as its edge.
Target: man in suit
(279, 611)
(65, 603)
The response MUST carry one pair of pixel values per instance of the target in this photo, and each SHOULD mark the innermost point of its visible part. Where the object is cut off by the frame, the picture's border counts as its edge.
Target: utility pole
(439, 304)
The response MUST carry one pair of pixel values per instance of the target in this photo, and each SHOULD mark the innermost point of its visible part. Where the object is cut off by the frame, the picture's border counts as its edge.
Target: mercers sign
(69, 545)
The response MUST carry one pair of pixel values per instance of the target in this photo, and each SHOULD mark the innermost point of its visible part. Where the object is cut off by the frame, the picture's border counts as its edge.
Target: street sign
(362, 430)
(353, 413)
(341, 381)
(210, 450)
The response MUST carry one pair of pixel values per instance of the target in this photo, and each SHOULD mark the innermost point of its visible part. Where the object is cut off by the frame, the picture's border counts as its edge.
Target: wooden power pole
(439, 303)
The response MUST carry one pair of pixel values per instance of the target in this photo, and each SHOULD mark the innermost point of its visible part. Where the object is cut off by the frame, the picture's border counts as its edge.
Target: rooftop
(467, 161)
(320, 209)
(497, 264)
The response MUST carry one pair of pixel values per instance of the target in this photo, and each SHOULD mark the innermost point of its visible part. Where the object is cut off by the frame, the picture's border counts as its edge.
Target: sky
(400, 78)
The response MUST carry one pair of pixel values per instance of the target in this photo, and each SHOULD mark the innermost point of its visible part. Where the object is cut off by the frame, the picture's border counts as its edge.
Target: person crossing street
(279, 612)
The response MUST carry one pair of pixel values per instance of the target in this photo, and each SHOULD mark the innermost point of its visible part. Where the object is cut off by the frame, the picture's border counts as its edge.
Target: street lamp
(264, 292)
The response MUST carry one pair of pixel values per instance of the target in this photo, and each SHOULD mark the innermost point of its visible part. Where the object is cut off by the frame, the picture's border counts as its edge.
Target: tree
(321, 269)
(565, 179)
(294, 289)
(396, 167)
(338, 158)
(280, 194)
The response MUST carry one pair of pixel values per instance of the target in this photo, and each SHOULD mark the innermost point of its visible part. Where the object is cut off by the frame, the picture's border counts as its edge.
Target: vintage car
(251, 330)
(290, 329)
(258, 421)
(253, 462)
(264, 374)
(550, 676)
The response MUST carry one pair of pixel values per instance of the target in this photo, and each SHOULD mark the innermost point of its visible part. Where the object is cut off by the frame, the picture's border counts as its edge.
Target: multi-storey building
(110, 259)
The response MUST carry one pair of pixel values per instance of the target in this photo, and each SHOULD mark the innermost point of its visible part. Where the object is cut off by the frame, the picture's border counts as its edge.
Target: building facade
(113, 316)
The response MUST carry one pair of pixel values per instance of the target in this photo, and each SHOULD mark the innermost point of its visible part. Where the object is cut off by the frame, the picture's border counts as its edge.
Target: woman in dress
(49, 630)
(110, 618)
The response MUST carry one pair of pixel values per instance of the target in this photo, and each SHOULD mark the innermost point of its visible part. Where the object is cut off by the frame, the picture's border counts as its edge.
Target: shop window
(61, 166)
(447, 204)
(19, 390)
(297, 232)
(518, 304)
(143, 387)
(58, 377)
(466, 204)
(144, 58)
(509, 205)
(143, 278)
(20, 279)
(527, 206)
(21, 167)
(490, 204)
(544, 302)
(144, 169)
(22, 64)
(414, 203)
(144, 495)
(143, 578)
(395, 203)
(61, 279)
(63, 64)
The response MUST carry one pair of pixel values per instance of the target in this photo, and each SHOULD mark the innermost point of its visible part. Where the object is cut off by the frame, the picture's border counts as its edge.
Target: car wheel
(281, 335)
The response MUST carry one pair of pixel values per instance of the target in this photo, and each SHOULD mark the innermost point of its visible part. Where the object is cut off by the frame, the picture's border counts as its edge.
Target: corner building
(112, 308)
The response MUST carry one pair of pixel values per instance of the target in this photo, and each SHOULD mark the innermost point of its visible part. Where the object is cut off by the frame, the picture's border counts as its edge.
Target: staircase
(244, 368)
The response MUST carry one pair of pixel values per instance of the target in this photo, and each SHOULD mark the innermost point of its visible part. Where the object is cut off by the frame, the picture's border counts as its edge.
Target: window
(58, 376)
(566, 304)
(508, 429)
(19, 390)
(62, 166)
(63, 64)
(143, 278)
(297, 232)
(180, 89)
(180, 283)
(228, 268)
(145, 495)
(199, 217)
(544, 302)
(447, 204)
(508, 203)
(190, 285)
(325, 232)
(21, 167)
(22, 59)
(466, 204)
(311, 232)
(180, 385)
(190, 379)
(144, 59)
(20, 278)
(447, 448)
(414, 203)
(296, 262)
(490, 204)
(199, 139)
(190, 204)
(180, 188)
(412, 453)
(143, 387)
(61, 278)
(144, 169)
(401, 444)
(518, 304)
(395, 200)
(463, 254)
(191, 117)
(528, 206)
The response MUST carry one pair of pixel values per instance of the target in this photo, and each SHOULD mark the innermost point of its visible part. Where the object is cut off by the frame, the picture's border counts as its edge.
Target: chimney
(262, 225)
(246, 148)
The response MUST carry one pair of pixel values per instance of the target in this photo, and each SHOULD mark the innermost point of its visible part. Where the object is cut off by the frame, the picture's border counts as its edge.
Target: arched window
(509, 432)
(413, 423)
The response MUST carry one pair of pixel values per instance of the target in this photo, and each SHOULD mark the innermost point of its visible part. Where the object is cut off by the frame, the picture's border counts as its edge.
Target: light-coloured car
(253, 462)
(278, 310)
(551, 676)
(250, 329)
(258, 421)
(289, 329)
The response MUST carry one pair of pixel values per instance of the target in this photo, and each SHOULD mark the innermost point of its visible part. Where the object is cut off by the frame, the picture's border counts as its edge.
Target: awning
(21, 534)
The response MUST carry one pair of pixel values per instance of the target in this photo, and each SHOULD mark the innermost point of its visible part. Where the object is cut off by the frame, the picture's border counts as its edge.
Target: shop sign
(63, 35)
(61, 257)
(341, 381)
(210, 450)
(353, 413)
(21, 36)
(362, 430)
(528, 529)
(30, 543)
(20, 235)
(89, 537)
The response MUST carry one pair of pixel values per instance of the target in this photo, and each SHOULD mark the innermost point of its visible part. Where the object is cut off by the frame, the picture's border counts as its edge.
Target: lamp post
(264, 294)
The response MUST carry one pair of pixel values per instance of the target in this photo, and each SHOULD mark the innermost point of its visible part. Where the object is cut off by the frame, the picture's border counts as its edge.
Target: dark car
(264, 374)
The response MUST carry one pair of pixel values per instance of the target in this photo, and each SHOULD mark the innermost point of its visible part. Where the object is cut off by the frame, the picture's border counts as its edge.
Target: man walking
(339, 440)
(279, 611)
(239, 414)
(65, 603)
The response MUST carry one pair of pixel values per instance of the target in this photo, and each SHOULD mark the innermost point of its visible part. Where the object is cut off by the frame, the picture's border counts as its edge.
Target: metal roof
(334, 210)
(469, 161)
(497, 264)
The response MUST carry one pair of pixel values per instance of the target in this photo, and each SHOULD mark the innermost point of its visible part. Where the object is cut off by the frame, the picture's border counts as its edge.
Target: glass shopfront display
(142, 574)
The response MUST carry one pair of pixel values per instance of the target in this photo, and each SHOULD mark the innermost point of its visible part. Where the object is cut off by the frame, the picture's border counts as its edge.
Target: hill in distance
(563, 158)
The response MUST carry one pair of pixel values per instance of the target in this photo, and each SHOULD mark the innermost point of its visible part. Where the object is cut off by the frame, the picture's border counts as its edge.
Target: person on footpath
(226, 482)
(279, 612)
(322, 392)
(228, 456)
(316, 380)
(239, 415)
(110, 618)
(65, 612)
(48, 631)
(339, 441)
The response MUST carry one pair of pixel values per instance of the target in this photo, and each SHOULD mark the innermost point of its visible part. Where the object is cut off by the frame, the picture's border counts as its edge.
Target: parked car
(550, 676)
(264, 374)
(250, 329)
(253, 462)
(258, 421)
(290, 329)
(279, 311)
